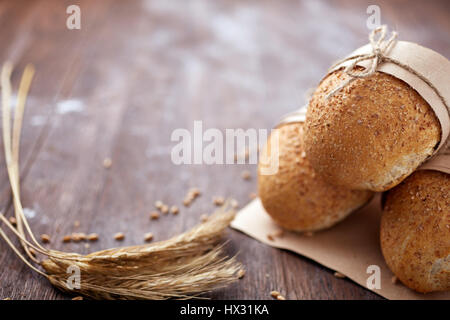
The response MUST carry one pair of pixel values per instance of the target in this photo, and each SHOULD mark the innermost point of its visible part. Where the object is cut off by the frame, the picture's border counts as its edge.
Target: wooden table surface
(136, 71)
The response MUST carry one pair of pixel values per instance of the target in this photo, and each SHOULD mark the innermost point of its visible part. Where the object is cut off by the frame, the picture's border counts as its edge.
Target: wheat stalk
(184, 266)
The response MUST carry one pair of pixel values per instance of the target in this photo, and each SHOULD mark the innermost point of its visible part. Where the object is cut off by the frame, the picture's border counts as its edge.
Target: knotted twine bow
(380, 47)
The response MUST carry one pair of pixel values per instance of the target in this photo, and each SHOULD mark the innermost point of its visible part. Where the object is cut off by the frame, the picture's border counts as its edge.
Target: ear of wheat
(184, 266)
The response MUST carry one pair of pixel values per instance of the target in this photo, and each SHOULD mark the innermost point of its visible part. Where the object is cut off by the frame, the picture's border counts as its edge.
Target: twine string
(380, 47)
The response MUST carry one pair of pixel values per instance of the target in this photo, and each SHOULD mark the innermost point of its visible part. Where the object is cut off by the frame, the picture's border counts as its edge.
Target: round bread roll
(371, 134)
(415, 231)
(295, 197)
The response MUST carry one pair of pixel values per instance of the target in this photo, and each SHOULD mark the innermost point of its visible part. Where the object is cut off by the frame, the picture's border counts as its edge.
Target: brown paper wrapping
(349, 247)
(441, 162)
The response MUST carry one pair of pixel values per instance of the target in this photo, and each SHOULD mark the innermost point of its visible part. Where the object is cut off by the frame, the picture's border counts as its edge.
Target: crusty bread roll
(295, 197)
(371, 134)
(415, 231)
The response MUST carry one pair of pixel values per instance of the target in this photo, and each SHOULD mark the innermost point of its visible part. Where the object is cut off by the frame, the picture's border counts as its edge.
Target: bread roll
(371, 134)
(295, 197)
(415, 231)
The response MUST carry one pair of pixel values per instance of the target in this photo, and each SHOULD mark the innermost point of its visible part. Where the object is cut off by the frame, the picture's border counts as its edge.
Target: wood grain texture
(136, 71)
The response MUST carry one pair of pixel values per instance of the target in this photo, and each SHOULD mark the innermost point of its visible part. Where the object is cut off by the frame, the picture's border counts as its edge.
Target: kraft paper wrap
(352, 246)
(349, 247)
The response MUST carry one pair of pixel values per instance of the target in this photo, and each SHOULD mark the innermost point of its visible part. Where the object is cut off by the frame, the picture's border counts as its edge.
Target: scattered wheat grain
(13, 221)
(246, 175)
(45, 238)
(174, 210)
(218, 201)
(148, 237)
(339, 275)
(195, 192)
(274, 294)
(119, 236)
(82, 236)
(92, 237)
(76, 237)
(107, 163)
(165, 209)
(159, 204)
(154, 215)
(191, 195)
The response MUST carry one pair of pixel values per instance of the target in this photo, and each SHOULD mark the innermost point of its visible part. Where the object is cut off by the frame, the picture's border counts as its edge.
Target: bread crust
(372, 134)
(415, 231)
(295, 197)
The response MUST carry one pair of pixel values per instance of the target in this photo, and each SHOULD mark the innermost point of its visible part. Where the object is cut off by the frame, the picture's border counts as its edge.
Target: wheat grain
(165, 209)
(148, 237)
(107, 163)
(274, 294)
(154, 215)
(158, 204)
(174, 210)
(92, 237)
(246, 175)
(119, 236)
(13, 221)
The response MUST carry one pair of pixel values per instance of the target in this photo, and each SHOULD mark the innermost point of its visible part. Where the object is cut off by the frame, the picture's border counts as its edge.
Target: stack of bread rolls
(370, 136)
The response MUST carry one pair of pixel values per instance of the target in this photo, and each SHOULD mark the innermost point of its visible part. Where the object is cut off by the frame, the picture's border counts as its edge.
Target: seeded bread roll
(295, 197)
(370, 135)
(415, 231)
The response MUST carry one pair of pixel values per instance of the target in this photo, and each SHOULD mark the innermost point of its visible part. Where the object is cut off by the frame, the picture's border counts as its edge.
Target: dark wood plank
(138, 70)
